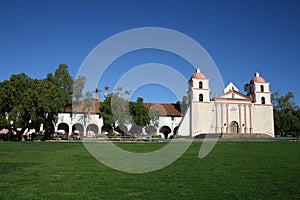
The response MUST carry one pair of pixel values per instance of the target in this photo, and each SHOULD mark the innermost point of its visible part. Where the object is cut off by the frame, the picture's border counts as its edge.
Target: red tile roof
(166, 109)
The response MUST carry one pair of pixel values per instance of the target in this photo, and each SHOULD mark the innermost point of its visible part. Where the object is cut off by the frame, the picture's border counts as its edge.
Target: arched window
(263, 100)
(200, 97)
(200, 84)
(262, 89)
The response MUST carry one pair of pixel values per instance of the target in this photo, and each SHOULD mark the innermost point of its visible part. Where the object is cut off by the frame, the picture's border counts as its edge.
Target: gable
(233, 95)
(230, 87)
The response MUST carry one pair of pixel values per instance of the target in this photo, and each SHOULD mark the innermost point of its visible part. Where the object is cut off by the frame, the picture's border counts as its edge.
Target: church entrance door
(234, 127)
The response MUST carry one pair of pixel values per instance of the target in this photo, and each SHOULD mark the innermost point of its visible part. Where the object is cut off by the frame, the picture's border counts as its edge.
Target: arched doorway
(92, 129)
(234, 127)
(78, 127)
(63, 126)
(165, 130)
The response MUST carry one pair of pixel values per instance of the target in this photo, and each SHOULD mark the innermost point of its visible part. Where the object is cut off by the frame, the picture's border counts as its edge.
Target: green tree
(286, 117)
(97, 91)
(114, 110)
(39, 101)
(106, 114)
(139, 113)
(106, 94)
(184, 104)
(154, 117)
(51, 100)
(88, 103)
(63, 79)
(78, 87)
(19, 95)
(120, 109)
(117, 110)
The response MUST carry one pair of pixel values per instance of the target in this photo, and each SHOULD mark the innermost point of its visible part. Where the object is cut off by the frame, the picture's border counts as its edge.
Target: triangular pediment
(230, 87)
(233, 95)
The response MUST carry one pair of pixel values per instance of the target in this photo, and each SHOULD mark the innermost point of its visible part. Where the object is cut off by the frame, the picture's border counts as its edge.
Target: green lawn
(233, 170)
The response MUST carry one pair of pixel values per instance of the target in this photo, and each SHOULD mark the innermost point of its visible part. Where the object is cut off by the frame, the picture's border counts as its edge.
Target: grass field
(233, 170)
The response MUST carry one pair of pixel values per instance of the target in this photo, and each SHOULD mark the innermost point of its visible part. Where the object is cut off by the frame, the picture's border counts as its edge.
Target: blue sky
(241, 36)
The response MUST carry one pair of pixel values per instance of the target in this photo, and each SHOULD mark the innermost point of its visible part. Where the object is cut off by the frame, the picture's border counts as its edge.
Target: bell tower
(200, 104)
(199, 90)
(259, 90)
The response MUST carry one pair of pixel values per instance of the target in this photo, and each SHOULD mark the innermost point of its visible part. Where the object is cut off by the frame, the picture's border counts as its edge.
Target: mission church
(231, 113)
(228, 113)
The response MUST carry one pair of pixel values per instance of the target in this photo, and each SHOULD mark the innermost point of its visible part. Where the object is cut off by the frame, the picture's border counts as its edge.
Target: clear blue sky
(241, 36)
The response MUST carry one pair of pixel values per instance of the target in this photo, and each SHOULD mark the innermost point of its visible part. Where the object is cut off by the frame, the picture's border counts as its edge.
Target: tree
(19, 99)
(97, 91)
(39, 101)
(106, 114)
(63, 79)
(286, 114)
(120, 109)
(139, 113)
(284, 103)
(106, 88)
(78, 86)
(127, 92)
(88, 103)
(114, 112)
(184, 104)
(154, 117)
(51, 100)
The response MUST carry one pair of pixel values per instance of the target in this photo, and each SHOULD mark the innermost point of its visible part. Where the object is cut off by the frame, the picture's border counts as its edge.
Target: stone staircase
(232, 135)
(246, 135)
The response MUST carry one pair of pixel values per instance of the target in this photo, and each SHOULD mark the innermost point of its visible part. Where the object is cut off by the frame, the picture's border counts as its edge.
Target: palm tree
(106, 91)
(97, 94)
(119, 91)
(127, 92)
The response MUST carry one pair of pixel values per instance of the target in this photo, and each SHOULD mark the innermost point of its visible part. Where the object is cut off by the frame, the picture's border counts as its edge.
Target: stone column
(250, 117)
(240, 120)
(227, 125)
(222, 121)
(245, 118)
(217, 127)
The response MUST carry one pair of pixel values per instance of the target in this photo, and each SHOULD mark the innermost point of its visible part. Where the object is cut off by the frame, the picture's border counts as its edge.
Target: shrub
(156, 135)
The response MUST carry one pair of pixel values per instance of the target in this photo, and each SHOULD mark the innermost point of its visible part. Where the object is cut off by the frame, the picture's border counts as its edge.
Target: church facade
(229, 113)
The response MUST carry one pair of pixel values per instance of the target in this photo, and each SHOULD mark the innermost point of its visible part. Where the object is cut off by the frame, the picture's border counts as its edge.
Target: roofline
(232, 91)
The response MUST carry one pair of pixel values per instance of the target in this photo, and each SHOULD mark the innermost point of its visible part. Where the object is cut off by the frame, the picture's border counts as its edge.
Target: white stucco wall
(262, 119)
(79, 118)
(184, 128)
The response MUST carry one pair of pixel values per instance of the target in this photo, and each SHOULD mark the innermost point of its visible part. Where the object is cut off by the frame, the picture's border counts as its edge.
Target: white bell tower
(199, 90)
(259, 90)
